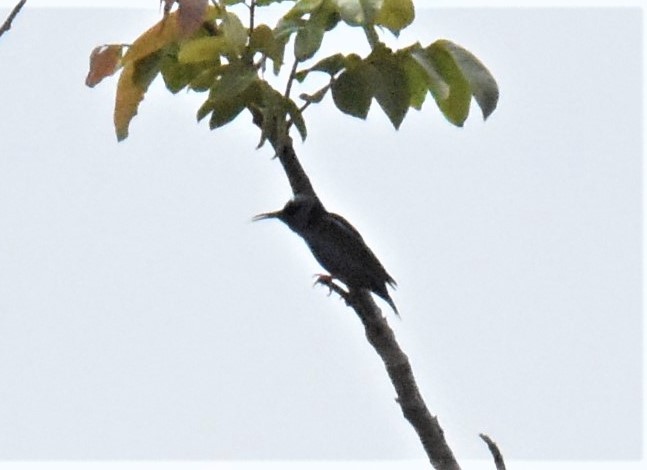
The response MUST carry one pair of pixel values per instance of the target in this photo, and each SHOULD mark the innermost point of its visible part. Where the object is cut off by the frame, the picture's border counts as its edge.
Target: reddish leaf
(104, 61)
(191, 15)
(168, 4)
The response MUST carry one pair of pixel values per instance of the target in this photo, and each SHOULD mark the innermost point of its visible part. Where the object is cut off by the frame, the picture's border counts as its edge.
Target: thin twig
(293, 72)
(494, 450)
(252, 10)
(6, 26)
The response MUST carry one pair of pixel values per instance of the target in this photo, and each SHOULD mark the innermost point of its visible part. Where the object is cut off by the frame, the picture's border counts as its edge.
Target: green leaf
(456, 105)
(358, 12)
(331, 64)
(225, 111)
(417, 81)
(296, 117)
(390, 84)
(327, 15)
(204, 79)
(147, 68)
(226, 92)
(235, 79)
(282, 32)
(315, 97)
(204, 49)
(176, 75)
(231, 93)
(234, 33)
(286, 27)
(482, 84)
(308, 41)
(437, 86)
(303, 7)
(352, 91)
(395, 15)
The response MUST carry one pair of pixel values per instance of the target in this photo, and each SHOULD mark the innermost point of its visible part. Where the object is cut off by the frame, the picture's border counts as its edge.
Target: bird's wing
(345, 225)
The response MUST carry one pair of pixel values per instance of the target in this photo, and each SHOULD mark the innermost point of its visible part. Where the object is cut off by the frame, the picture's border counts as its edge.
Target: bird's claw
(325, 280)
(328, 281)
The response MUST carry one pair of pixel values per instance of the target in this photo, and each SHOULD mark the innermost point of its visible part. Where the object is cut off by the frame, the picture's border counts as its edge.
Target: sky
(144, 316)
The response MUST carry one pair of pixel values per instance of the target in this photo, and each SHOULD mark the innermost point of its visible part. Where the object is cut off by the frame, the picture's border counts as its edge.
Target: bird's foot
(324, 280)
(328, 281)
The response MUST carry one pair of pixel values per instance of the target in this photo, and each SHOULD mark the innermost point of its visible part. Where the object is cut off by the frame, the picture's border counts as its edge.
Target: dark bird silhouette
(336, 245)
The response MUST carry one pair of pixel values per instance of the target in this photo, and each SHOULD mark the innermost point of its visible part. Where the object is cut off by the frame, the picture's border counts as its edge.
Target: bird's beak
(267, 215)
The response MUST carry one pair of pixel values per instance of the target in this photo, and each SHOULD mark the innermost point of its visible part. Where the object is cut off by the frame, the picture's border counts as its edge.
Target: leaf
(204, 49)
(177, 75)
(147, 68)
(204, 79)
(234, 32)
(395, 15)
(286, 27)
(352, 91)
(263, 41)
(225, 111)
(437, 86)
(315, 97)
(456, 105)
(417, 81)
(482, 84)
(235, 79)
(282, 32)
(129, 95)
(154, 39)
(296, 117)
(191, 15)
(162, 34)
(104, 61)
(331, 64)
(308, 41)
(390, 84)
(228, 97)
(358, 12)
(302, 7)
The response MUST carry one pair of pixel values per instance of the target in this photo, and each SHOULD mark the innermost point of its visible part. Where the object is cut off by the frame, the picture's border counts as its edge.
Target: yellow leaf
(165, 32)
(129, 95)
(161, 35)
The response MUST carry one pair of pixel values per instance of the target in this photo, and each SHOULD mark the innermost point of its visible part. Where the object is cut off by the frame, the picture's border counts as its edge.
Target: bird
(336, 245)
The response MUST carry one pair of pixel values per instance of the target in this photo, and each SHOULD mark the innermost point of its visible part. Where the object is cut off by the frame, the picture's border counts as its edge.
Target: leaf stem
(252, 11)
(371, 36)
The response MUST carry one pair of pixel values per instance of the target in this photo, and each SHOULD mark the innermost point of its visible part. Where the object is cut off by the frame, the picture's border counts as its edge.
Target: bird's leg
(328, 281)
(325, 280)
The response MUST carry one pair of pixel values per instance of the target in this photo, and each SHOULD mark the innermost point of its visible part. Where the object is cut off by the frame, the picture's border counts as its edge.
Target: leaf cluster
(207, 48)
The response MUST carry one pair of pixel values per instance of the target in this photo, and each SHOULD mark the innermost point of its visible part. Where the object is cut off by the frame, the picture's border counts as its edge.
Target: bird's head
(296, 214)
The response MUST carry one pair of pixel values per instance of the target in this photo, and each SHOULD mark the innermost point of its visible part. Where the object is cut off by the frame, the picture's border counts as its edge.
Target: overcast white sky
(143, 316)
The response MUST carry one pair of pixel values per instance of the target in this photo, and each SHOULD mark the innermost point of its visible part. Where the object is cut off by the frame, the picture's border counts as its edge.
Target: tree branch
(494, 450)
(282, 144)
(381, 337)
(6, 26)
(378, 332)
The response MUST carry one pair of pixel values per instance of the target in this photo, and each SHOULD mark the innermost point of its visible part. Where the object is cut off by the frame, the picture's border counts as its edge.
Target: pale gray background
(142, 315)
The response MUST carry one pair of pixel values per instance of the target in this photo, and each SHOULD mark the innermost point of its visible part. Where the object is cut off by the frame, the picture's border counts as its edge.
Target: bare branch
(6, 26)
(381, 337)
(494, 450)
